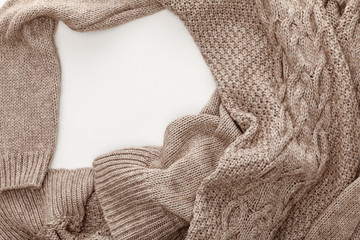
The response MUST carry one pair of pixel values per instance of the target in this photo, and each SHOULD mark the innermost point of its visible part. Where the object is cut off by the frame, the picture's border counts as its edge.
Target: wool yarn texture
(274, 154)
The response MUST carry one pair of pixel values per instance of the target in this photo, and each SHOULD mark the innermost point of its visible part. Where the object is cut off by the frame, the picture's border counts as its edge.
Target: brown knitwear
(273, 155)
(30, 75)
(143, 189)
(66, 207)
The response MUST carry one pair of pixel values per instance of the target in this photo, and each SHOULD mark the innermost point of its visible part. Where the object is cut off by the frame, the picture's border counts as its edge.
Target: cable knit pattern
(273, 155)
(343, 140)
(283, 111)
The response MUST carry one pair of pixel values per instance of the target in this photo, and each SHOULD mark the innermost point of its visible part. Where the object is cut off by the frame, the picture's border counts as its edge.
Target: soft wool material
(273, 155)
(66, 207)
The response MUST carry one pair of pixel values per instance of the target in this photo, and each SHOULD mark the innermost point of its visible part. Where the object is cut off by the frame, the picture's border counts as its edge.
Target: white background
(121, 87)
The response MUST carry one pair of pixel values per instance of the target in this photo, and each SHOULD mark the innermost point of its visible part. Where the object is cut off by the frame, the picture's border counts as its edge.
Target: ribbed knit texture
(142, 190)
(23, 170)
(65, 207)
(273, 155)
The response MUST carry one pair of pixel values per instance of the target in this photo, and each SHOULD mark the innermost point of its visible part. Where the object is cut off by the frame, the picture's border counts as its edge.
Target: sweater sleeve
(149, 192)
(30, 77)
(29, 74)
(65, 207)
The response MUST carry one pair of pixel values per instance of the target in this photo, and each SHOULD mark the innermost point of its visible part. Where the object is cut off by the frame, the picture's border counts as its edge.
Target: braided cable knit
(342, 165)
(273, 155)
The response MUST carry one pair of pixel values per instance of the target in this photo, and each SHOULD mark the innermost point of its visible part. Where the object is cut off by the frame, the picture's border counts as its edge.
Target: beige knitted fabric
(30, 75)
(152, 190)
(273, 155)
(285, 80)
(64, 208)
(340, 219)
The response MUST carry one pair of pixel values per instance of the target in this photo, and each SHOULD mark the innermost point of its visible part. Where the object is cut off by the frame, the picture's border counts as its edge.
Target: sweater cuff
(126, 198)
(23, 170)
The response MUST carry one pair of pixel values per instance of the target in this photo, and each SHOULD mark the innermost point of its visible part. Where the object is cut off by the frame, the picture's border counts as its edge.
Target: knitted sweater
(273, 155)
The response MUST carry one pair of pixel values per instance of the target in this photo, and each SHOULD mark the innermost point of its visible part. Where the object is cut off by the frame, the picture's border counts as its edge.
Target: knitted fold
(63, 208)
(340, 220)
(149, 192)
(265, 171)
(285, 80)
(273, 155)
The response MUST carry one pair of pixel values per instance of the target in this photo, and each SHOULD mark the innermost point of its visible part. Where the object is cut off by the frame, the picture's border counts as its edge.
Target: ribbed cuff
(125, 195)
(60, 209)
(23, 170)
